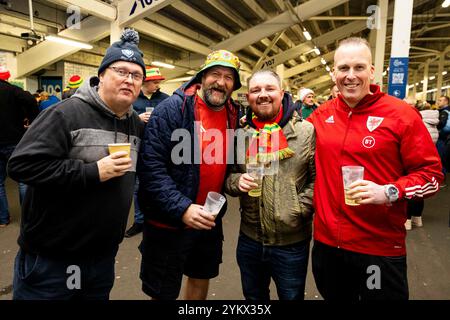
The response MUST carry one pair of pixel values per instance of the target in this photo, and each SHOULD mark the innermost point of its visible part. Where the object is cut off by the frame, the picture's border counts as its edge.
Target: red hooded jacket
(388, 138)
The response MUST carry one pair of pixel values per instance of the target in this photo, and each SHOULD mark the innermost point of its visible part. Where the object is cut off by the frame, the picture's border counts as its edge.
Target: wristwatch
(391, 192)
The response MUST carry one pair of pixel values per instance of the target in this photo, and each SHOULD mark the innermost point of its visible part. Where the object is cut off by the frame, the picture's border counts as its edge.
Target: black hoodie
(67, 211)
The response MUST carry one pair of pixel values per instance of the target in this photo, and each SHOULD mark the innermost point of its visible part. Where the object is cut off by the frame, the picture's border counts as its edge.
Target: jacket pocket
(28, 266)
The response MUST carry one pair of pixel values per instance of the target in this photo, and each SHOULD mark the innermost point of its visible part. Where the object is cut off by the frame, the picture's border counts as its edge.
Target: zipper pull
(349, 114)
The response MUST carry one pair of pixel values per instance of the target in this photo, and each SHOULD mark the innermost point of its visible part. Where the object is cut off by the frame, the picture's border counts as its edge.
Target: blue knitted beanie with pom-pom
(126, 49)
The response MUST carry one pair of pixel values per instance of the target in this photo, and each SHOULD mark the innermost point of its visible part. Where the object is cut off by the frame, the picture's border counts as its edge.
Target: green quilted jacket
(283, 213)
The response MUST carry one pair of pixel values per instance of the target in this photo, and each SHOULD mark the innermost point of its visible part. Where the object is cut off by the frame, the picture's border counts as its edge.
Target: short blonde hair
(265, 72)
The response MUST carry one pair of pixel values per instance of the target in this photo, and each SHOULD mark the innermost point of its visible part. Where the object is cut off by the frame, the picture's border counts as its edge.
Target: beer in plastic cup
(149, 109)
(256, 171)
(115, 147)
(214, 202)
(350, 174)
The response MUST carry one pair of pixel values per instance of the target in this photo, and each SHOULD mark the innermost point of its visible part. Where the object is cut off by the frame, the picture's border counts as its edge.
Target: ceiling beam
(201, 18)
(45, 53)
(309, 76)
(327, 38)
(163, 34)
(443, 39)
(424, 49)
(229, 13)
(254, 7)
(317, 81)
(129, 12)
(179, 28)
(276, 24)
(308, 65)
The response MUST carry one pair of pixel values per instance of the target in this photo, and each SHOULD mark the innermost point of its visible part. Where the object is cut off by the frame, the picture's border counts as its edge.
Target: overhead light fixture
(317, 51)
(432, 77)
(323, 61)
(68, 42)
(417, 83)
(162, 65)
(328, 68)
(444, 73)
(306, 34)
(446, 3)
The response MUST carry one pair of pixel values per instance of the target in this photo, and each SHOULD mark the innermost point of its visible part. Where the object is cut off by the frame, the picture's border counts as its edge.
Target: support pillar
(439, 75)
(116, 30)
(380, 41)
(399, 61)
(425, 80)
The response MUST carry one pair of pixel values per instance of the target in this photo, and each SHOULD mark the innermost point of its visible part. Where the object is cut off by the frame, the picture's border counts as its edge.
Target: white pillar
(116, 30)
(279, 69)
(425, 80)
(439, 75)
(401, 32)
(380, 41)
(414, 93)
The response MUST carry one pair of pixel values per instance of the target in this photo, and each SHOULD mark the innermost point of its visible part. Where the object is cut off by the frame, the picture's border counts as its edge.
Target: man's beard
(213, 102)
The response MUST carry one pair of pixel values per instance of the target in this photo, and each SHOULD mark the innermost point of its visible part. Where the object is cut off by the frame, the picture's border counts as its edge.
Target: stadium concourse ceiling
(182, 32)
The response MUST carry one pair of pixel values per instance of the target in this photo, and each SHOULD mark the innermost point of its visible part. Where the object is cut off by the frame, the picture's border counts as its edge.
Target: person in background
(368, 128)
(75, 82)
(431, 119)
(334, 91)
(149, 97)
(47, 100)
(444, 129)
(319, 101)
(79, 196)
(17, 109)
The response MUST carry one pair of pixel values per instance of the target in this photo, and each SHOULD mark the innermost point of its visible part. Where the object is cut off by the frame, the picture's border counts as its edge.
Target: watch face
(392, 191)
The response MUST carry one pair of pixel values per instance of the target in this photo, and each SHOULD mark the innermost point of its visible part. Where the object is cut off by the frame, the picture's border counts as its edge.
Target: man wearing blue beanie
(76, 207)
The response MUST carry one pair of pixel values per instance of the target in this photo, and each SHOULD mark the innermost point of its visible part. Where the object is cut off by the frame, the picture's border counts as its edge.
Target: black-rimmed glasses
(123, 73)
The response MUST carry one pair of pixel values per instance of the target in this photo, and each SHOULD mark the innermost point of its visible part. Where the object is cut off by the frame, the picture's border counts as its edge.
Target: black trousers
(415, 208)
(350, 276)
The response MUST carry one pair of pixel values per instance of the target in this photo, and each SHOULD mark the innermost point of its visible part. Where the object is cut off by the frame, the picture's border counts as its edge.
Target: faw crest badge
(128, 53)
(373, 122)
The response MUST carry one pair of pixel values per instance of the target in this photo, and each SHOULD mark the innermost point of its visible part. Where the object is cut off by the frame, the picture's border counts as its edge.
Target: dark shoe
(134, 230)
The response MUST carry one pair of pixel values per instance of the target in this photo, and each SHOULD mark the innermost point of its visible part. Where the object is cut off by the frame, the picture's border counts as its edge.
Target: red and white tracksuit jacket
(388, 138)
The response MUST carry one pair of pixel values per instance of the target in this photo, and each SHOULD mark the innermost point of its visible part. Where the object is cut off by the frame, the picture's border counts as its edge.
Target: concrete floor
(428, 256)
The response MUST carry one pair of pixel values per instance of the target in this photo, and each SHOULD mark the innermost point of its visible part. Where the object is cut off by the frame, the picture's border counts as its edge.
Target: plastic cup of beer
(115, 147)
(149, 109)
(214, 202)
(256, 171)
(351, 174)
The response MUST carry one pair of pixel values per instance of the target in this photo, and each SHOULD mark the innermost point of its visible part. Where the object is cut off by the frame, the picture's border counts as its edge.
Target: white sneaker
(408, 224)
(417, 221)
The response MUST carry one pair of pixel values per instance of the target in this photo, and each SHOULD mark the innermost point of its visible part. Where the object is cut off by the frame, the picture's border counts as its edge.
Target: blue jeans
(40, 278)
(138, 215)
(5, 154)
(286, 265)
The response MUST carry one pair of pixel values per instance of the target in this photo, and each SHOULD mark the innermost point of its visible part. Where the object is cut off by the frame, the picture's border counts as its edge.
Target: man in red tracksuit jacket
(359, 251)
